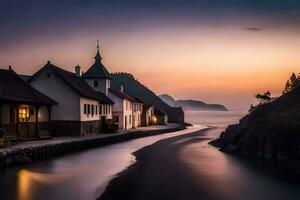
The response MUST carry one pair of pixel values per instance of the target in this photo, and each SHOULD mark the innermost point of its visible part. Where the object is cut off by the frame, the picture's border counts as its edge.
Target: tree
(264, 98)
(287, 87)
(292, 83)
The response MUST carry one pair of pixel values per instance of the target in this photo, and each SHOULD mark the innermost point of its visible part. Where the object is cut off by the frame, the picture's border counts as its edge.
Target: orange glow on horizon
(206, 63)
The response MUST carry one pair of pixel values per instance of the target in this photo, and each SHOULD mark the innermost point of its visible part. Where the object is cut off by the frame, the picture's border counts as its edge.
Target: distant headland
(189, 105)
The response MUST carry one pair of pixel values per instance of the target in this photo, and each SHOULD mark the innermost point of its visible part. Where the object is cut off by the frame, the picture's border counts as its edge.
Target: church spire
(98, 57)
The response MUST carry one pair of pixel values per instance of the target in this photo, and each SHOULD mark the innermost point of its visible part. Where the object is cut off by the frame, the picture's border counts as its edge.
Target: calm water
(85, 175)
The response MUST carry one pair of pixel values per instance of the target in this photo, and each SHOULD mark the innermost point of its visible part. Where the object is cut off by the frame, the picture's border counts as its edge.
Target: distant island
(189, 105)
(270, 129)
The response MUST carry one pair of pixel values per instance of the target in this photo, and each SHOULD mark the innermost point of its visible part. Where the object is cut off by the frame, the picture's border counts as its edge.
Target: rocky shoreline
(270, 131)
(22, 156)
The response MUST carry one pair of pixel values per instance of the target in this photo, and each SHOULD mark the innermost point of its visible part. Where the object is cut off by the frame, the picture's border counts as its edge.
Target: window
(100, 109)
(109, 109)
(129, 119)
(89, 109)
(96, 109)
(92, 110)
(85, 109)
(95, 83)
(105, 106)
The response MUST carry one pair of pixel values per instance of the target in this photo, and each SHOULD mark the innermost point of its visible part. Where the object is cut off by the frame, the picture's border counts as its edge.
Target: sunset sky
(218, 51)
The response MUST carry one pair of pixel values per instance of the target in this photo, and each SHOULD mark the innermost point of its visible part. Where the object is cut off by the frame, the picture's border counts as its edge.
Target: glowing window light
(24, 113)
(154, 119)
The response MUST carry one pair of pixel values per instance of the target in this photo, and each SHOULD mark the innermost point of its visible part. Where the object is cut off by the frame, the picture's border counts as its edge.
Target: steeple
(98, 57)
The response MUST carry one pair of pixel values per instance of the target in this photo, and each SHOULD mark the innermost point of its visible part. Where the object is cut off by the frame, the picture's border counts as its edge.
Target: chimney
(121, 88)
(9, 67)
(48, 62)
(77, 70)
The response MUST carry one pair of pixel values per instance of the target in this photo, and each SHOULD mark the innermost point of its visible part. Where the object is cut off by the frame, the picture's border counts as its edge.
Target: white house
(137, 113)
(122, 109)
(79, 107)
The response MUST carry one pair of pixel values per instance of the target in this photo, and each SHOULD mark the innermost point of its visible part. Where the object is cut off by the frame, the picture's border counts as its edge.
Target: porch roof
(14, 89)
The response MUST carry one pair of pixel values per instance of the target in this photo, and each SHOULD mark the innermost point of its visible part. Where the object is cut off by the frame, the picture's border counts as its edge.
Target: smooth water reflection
(77, 176)
(228, 177)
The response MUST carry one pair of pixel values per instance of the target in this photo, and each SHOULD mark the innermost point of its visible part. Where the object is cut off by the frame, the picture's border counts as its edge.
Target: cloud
(254, 29)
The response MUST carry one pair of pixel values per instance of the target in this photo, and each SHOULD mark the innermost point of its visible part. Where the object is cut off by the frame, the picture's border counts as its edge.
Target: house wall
(54, 87)
(103, 85)
(31, 115)
(127, 114)
(118, 106)
(137, 114)
(147, 116)
(43, 115)
(5, 114)
(121, 121)
(119, 109)
(91, 116)
(162, 120)
(107, 113)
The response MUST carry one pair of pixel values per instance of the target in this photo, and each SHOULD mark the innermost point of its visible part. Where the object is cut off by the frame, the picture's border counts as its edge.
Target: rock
(269, 131)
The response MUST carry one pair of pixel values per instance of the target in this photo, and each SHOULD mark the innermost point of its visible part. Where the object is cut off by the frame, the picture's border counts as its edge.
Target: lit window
(24, 113)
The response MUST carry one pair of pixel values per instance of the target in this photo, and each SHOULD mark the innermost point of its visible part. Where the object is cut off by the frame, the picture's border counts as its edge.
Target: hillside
(137, 90)
(169, 100)
(192, 104)
(271, 130)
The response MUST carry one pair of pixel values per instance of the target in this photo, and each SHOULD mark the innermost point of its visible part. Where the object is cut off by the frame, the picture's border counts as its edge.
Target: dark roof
(137, 100)
(159, 112)
(120, 94)
(147, 106)
(24, 77)
(77, 83)
(97, 70)
(15, 89)
(106, 99)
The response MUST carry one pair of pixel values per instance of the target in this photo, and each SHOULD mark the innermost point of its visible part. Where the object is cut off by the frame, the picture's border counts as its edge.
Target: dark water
(85, 175)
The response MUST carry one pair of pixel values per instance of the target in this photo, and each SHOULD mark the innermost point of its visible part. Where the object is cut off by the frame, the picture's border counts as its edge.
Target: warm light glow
(24, 113)
(154, 119)
(24, 185)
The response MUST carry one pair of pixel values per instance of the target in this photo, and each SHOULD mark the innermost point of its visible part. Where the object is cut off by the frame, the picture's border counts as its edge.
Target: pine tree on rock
(287, 87)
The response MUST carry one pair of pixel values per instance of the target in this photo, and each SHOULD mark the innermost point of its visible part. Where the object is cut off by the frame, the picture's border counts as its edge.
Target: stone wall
(66, 128)
(31, 154)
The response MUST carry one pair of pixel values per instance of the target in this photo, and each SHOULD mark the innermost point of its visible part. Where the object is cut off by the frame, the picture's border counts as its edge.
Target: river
(85, 175)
